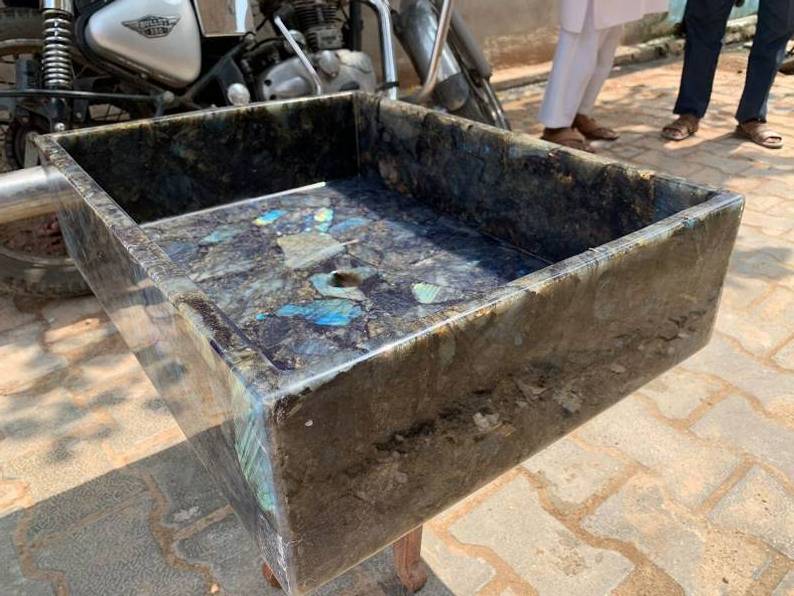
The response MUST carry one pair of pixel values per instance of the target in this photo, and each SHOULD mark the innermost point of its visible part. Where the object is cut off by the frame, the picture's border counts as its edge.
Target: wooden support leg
(407, 559)
(270, 576)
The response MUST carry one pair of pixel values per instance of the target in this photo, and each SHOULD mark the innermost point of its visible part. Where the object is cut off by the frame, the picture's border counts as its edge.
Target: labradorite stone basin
(361, 311)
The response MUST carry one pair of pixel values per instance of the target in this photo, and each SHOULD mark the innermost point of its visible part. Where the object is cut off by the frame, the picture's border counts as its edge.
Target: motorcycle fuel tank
(159, 37)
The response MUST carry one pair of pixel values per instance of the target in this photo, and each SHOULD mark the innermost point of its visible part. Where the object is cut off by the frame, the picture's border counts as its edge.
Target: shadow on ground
(158, 526)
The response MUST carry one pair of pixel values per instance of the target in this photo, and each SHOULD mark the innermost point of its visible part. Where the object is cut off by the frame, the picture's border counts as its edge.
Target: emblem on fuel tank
(152, 26)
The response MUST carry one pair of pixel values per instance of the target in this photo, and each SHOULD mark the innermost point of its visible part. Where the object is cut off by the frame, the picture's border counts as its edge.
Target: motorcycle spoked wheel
(33, 260)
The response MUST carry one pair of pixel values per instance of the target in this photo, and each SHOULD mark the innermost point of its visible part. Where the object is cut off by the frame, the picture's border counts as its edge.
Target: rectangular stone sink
(360, 311)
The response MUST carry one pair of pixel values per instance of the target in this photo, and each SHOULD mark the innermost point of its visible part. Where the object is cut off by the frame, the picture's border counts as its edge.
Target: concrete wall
(516, 32)
(525, 31)
(521, 32)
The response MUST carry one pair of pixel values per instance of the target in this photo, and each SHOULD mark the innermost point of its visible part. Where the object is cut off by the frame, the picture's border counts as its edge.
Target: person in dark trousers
(705, 22)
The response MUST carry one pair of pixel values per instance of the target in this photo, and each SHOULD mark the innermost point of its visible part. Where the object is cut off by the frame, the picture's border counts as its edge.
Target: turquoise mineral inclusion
(327, 313)
(269, 217)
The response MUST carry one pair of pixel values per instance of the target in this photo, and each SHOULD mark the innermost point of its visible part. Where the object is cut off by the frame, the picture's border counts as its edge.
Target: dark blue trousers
(705, 22)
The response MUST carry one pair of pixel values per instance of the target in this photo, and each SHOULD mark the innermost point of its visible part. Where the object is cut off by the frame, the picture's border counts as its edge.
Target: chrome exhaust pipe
(32, 192)
(444, 20)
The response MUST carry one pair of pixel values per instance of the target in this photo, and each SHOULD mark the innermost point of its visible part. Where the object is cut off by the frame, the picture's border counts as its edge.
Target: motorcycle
(69, 64)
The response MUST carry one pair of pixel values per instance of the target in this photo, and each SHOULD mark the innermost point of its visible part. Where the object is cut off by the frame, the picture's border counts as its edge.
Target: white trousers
(582, 63)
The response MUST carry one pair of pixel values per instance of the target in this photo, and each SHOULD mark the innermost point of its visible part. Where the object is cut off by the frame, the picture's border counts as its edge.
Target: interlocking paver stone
(117, 554)
(758, 257)
(734, 422)
(691, 470)
(542, 550)
(10, 315)
(64, 462)
(765, 326)
(740, 293)
(573, 473)
(376, 577)
(769, 225)
(773, 387)
(463, 575)
(785, 356)
(117, 386)
(679, 392)
(141, 415)
(700, 559)
(104, 372)
(79, 335)
(229, 550)
(64, 312)
(63, 510)
(761, 506)
(29, 419)
(12, 496)
(12, 580)
(189, 492)
(23, 358)
(786, 586)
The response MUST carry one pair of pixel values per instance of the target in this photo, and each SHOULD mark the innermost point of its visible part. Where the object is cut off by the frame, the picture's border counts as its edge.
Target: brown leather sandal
(760, 134)
(567, 137)
(681, 128)
(593, 130)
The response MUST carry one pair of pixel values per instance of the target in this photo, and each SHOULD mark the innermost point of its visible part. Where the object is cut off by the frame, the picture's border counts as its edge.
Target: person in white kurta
(590, 33)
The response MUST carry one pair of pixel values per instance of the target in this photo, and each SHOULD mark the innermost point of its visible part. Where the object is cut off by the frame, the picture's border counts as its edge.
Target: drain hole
(345, 279)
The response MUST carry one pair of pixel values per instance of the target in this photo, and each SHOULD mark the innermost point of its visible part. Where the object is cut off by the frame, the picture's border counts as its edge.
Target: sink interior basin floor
(336, 268)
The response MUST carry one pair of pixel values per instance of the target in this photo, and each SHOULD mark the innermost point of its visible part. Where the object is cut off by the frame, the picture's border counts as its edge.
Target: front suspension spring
(56, 56)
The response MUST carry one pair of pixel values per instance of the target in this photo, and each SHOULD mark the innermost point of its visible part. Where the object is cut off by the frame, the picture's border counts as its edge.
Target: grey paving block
(697, 555)
(25, 361)
(190, 492)
(376, 577)
(229, 550)
(735, 423)
(64, 510)
(573, 473)
(63, 461)
(63, 312)
(786, 586)
(513, 523)
(12, 581)
(118, 555)
(759, 505)
(690, 469)
(461, 573)
(29, 420)
(10, 315)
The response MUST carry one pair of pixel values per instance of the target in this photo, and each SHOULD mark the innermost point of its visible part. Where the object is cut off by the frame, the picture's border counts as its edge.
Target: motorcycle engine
(318, 29)
(320, 23)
